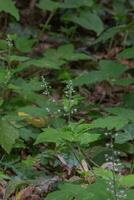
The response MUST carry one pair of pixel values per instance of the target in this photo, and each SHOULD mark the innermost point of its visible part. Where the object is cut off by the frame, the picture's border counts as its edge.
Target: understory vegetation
(67, 100)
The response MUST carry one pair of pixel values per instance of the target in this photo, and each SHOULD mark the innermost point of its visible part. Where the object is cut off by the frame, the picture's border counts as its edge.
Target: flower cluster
(69, 100)
(114, 164)
(9, 41)
(46, 86)
(69, 90)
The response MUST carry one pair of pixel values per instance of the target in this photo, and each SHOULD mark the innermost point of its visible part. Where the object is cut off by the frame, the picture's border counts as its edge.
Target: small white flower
(47, 109)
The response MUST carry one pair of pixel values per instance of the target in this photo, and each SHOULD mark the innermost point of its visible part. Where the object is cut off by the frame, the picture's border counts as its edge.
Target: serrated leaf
(108, 70)
(87, 138)
(125, 113)
(70, 191)
(104, 173)
(72, 55)
(55, 58)
(24, 44)
(110, 122)
(111, 68)
(9, 7)
(8, 135)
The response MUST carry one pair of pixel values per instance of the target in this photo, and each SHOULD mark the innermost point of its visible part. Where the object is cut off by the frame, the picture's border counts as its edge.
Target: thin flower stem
(113, 172)
(48, 20)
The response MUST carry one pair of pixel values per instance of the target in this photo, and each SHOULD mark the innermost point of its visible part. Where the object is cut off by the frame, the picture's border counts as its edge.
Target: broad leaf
(88, 20)
(126, 135)
(69, 191)
(8, 135)
(9, 7)
(127, 180)
(128, 100)
(51, 5)
(79, 3)
(23, 44)
(125, 113)
(48, 5)
(3, 176)
(49, 135)
(127, 53)
(108, 70)
(110, 122)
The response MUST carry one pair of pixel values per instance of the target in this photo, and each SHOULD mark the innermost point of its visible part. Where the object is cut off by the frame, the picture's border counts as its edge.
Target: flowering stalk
(9, 45)
(46, 86)
(69, 93)
(115, 167)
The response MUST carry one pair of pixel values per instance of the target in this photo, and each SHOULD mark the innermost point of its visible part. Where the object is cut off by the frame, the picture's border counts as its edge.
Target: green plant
(66, 90)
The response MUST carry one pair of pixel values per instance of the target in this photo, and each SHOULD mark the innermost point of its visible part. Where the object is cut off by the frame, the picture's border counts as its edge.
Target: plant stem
(48, 20)
(113, 171)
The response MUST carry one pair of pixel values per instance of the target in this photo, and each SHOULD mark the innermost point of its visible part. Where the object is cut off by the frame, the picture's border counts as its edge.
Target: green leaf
(49, 135)
(104, 173)
(72, 55)
(19, 58)
(9, 7)
(5, 75)
(128, 100)
(130, 194)
(111, 32)
(126, 135)
(127, 180)
(23, 44)
(3, 176)
(87, 138)
(55, 58)
(127, 53)
(3, 44)
(65, 134)
(33, 111)
(125, 113)
(110, 122)
(8, 135)
(123, 82)
(79, 3)
(70, 191)
(48, 5)
(108, 70)
(88, 20)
